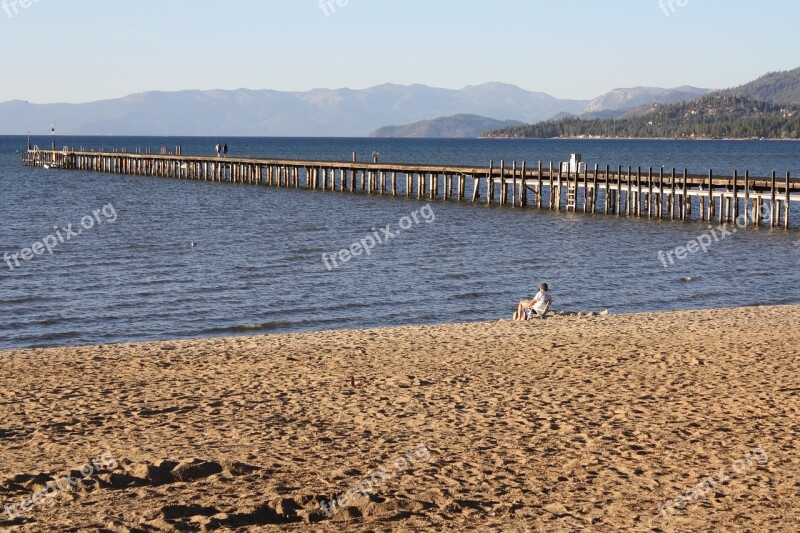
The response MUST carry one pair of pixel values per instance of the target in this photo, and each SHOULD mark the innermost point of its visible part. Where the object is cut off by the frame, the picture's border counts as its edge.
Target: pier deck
(637, 192)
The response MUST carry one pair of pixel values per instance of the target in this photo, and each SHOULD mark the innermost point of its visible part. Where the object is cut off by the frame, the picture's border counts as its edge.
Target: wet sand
(596, 423)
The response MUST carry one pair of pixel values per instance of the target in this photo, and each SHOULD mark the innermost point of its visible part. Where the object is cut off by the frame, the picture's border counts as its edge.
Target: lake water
(256, 265)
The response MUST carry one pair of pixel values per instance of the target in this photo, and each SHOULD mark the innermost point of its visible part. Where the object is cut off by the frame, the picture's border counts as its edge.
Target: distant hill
(243, 112)
(619, 102)
(455, 127)
(768, 108)
(775, 87)
(715, 116)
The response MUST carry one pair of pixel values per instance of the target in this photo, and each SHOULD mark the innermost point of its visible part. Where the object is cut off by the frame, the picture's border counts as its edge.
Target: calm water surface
(256, 264)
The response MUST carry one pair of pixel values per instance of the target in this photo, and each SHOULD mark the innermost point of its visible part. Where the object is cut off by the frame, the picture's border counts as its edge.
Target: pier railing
(633, 192)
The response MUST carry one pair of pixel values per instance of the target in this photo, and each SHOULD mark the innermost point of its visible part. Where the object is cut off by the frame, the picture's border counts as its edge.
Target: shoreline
(567, 316)
(602, 422)
(600, 138)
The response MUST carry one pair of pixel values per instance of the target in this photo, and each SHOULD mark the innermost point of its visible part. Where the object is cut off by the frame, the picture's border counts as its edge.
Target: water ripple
(257, 263)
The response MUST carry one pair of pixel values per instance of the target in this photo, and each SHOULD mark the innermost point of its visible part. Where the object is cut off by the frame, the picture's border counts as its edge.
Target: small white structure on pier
(574, 165)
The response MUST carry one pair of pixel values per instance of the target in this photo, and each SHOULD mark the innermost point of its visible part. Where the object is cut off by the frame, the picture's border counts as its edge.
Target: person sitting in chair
(539, 304)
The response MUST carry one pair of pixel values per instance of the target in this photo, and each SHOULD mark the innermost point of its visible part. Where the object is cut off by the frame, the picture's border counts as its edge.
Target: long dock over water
(632, 192)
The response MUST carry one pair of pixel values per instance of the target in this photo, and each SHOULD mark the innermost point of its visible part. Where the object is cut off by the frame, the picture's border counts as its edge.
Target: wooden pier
(632, 192)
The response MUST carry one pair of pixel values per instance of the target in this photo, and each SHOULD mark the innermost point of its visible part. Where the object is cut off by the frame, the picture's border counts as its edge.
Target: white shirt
(543, 299)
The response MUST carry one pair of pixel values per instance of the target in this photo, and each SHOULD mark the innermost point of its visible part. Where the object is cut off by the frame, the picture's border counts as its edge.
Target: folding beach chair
(531, 312)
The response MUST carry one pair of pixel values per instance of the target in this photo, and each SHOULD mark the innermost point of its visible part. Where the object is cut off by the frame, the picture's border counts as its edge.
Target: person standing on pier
(218, 148)
(225, 149)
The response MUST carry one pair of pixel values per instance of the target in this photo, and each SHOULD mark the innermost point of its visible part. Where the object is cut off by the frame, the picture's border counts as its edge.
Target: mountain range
(319, 112)
(766, 108)
(782, 88)
(417, 110)
(615, 104)
(713, 116)
(621, 102)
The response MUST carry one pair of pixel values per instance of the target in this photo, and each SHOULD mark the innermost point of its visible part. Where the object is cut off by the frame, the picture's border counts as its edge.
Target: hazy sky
(82, 50)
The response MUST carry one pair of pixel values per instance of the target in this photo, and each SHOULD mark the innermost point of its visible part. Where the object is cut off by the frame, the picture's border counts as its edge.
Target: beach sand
(559, 425)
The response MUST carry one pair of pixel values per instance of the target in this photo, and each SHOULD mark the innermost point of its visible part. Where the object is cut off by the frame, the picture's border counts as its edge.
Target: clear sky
(83, 50)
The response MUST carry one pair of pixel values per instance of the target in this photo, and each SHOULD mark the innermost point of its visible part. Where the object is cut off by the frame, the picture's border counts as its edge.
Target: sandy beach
(683, 421)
